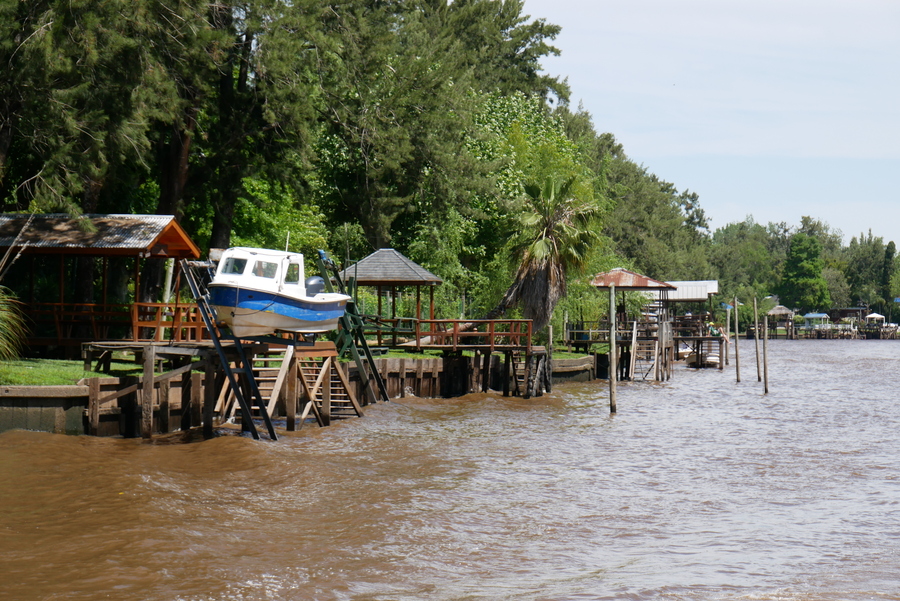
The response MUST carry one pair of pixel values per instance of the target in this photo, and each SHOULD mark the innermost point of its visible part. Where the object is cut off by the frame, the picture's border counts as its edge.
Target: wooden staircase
(320, 386)
(325, 390)
(644, 359)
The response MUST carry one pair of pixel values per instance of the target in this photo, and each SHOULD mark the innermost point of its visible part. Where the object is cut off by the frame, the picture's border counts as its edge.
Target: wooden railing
(73, 323)
(457, 334)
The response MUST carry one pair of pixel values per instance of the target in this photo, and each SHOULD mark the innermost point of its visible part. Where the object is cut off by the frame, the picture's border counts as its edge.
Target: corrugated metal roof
(95, 234)
(628, 280)
(693, 290)
(387, 267)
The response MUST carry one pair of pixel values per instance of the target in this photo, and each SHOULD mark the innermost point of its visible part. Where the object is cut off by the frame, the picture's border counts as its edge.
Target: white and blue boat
(257, 291)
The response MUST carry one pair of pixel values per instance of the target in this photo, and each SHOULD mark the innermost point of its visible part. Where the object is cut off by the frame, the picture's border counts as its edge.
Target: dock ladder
(193, 271)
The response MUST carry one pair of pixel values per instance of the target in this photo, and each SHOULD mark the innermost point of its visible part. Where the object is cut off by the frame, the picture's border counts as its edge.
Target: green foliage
(662, 230)
(802, 285)
(12, 325)
(866, 269)
(349, 126)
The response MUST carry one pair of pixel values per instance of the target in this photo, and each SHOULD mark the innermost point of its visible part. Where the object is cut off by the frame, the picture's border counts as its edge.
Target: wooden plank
(324, 380)
(324, 371)
(279, 381)
(44, 392)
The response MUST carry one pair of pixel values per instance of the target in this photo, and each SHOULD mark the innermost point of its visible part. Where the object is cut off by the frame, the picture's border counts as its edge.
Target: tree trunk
(174, 161)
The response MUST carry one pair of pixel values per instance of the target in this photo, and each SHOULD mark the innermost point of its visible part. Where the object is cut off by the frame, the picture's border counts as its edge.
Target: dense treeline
(424, 125)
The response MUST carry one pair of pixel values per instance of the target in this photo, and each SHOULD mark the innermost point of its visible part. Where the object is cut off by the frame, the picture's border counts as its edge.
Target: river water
(698, 488)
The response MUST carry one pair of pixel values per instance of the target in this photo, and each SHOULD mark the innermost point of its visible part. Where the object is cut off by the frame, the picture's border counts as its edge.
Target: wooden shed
(80, 277)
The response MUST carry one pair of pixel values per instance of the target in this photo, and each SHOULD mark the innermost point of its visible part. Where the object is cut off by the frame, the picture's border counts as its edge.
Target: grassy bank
(54, 372)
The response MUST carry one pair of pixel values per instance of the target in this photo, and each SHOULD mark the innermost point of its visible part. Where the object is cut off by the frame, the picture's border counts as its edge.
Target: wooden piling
(207, 405)
(756, 339)
(613, 355)
(737, 335)
(507, 363)
(186, 399)
(289, 394)
(727, 332)
(147, 392)
(765, 356)
(486, 372)
(164, 412)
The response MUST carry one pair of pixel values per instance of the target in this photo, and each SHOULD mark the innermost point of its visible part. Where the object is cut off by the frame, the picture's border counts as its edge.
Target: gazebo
(387, 268)
(783, 317)
(38, 245)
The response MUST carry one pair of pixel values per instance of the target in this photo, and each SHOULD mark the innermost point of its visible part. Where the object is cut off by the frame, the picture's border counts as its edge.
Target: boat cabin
(267, 270)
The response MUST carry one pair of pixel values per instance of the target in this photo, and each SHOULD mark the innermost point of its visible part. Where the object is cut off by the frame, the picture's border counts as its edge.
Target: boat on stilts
(256, 292)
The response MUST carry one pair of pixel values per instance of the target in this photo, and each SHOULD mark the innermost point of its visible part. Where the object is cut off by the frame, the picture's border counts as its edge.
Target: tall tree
(865, 267)
(802, 284)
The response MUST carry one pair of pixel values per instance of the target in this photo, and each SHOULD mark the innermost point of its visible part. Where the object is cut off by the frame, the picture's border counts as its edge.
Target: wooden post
(529, 372)
(613, 363)
(765, 356)
(756, 339)
(721, 344)
(420, 377)
(507, 360)
(186, 398)
(486, 372)
(147, 392)
(289, 393)
(209, 398)
(164, 406)
(727, 331)
(737, 336)
(94, 406)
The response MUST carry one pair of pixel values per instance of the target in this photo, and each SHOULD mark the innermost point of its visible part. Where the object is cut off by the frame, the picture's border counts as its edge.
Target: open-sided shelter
(42, 253)
(388, 269)
(625, 280)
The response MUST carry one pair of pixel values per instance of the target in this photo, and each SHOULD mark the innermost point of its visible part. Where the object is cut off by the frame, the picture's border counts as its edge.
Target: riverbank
(89, 406)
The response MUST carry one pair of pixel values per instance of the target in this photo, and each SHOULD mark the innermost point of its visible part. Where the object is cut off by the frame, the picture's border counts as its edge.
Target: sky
(774, 109)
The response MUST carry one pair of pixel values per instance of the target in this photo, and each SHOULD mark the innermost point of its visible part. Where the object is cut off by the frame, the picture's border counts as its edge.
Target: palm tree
(558, 229)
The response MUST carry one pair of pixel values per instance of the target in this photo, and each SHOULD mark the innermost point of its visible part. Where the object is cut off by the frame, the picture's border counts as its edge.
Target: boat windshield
(293, 274)
(264, 269)
(234, 266)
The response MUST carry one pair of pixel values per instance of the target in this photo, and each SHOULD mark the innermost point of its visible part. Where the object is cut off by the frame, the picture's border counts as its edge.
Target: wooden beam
(279, 380)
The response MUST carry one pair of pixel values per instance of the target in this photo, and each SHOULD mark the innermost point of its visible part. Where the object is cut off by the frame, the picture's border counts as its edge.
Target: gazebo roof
(387, 267)
(780, 310)
(157, 236)
(623, 279)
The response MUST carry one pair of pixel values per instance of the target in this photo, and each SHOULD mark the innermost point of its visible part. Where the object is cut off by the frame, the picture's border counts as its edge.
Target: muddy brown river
(698, 489)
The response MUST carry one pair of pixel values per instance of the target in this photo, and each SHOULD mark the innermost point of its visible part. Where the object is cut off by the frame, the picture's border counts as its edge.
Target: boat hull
(250, 312)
